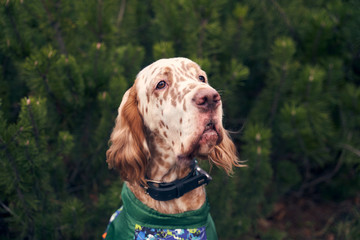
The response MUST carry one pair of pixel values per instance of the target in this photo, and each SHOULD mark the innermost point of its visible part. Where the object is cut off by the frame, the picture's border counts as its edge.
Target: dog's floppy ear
(129, 152)
(224, 154)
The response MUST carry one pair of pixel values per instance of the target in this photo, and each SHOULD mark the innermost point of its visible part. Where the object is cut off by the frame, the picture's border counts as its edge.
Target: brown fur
(127, 152)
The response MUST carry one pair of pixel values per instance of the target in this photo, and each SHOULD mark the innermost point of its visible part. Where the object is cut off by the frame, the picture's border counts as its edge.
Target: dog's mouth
(205, 141)
(210, 134)
(208, 139)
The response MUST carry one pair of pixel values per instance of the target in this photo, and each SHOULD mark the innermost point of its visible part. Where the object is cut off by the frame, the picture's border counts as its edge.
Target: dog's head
(170, 112)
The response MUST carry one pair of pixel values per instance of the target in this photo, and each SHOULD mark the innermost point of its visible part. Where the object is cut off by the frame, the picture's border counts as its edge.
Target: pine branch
(97, 53)
(286, 19)
(14, 27)
(43, 76)
(100, 37)
(316, 45)
(310, 121)
(202, 33)
(30, 227)
(304, 150)
(56, 27)
(351, 149)
(323, 178)
(329, 175)
(33, 123)
(121, 14)
(278, 94)
(36, 179)
(17, 175)
(51, 94)
(7, 209)
(12, 138)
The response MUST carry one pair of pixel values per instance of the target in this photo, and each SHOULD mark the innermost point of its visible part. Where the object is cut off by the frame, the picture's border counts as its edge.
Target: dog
(167, 119)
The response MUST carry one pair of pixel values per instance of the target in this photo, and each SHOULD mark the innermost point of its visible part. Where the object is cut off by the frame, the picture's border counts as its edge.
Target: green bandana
(135, 220)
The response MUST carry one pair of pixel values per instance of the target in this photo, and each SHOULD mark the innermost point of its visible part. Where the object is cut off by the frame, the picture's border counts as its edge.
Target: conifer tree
(287, 71)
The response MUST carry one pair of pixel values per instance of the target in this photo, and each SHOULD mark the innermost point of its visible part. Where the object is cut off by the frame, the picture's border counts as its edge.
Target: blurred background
(289, 76)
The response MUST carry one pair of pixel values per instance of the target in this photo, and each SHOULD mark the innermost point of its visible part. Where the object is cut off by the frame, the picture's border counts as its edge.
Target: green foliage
(287, 71)
(25, 170)
(163, 50)
(287, 176)
(348, 228)
(73, 218)
(274, 234)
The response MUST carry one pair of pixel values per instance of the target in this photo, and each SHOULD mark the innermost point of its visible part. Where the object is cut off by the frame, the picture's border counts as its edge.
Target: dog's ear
(224, 154)
(129, 152)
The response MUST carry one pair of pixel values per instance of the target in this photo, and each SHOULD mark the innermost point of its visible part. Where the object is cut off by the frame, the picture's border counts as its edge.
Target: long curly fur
(128, 152)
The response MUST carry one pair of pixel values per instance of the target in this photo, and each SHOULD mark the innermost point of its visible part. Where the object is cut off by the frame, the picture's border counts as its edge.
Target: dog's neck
(167, 167)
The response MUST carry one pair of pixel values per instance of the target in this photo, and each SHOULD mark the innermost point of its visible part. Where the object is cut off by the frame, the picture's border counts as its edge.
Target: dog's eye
(202, 78)
(161, 85)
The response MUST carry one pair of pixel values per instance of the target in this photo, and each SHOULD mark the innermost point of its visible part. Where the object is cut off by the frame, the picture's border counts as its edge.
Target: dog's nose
(207, 99)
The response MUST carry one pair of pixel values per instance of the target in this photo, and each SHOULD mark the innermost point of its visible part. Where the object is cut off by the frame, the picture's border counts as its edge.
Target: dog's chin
(207, 142)
(203, 144)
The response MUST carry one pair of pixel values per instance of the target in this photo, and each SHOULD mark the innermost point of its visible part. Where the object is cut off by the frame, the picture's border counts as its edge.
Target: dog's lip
(210, 132)
(209, 127)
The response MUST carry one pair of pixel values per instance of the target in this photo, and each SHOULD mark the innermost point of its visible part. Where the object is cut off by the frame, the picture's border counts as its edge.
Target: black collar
(168, 191)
